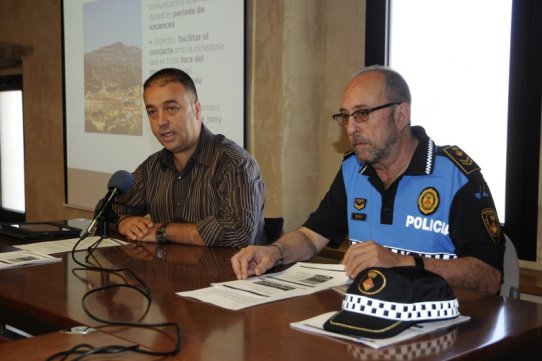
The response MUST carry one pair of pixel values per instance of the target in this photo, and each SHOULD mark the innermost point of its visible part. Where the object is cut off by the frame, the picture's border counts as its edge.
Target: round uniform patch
(373, 283)
(491, 222)
(428, 201)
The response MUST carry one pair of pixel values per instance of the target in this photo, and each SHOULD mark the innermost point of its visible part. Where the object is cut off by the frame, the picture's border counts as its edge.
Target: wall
(296, 74)
(38, 25)
(298, 71)
(301, 54)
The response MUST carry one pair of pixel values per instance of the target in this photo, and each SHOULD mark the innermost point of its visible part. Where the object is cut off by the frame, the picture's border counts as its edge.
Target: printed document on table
(66, 245)
(300, 279)
(24, 258)
(316, 325)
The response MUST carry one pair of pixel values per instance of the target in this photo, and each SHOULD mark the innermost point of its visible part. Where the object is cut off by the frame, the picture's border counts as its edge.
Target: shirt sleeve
(329, 219)
(474, 224)
(238, 219)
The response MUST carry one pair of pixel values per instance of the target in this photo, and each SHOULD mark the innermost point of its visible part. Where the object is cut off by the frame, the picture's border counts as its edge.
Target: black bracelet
(419, 261)
(280, 261)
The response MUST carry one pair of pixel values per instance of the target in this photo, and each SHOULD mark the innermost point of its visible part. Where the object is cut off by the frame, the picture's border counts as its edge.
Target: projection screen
(111, 47)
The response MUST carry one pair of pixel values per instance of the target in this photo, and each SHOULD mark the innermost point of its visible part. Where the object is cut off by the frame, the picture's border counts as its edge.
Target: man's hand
(360, 256)
(138, 229)
(254, 260)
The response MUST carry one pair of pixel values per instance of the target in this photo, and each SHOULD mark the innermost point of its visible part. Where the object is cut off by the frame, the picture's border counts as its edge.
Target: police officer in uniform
(400, 199)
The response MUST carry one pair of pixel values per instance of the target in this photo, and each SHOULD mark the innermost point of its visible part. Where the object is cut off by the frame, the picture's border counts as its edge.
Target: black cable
(110, 270)
(92, 247)
(84, 350)
(143, 289)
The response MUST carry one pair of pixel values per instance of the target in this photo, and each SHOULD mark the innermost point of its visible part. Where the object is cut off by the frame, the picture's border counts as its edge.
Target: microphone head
(122, 180)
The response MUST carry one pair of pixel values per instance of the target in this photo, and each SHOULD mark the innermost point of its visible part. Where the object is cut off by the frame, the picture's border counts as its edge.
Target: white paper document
(300, 279)
(24, 258)
(316, 325)
(66, 245)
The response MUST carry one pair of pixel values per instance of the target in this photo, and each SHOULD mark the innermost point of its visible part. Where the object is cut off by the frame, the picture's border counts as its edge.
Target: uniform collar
(423, 159)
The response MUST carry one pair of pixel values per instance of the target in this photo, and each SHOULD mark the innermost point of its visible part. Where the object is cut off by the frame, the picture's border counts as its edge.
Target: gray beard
(377, 154)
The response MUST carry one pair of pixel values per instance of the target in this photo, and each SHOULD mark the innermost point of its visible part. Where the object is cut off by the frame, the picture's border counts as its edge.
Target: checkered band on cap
(418, 311)
(409, 252)
(444, 256)
(405, 352)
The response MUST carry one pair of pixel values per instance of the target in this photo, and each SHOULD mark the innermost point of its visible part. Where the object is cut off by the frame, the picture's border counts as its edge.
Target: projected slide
(113, 67)
(111, 47)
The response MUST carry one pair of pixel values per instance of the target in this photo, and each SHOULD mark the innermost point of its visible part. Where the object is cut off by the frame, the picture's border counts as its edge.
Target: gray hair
(397, 89)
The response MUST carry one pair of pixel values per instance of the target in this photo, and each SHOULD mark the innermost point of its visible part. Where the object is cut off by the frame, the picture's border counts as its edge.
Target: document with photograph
(66, 245)
(300, 279)
(24, 258)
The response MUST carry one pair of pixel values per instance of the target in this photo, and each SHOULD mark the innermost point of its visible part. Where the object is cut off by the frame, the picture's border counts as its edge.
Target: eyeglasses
(360, 115)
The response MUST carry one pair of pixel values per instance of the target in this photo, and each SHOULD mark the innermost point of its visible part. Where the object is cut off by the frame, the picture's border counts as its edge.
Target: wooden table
(47, 298)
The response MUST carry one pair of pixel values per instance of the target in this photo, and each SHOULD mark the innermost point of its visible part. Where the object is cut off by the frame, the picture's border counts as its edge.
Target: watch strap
(280, 261)
(418, 261)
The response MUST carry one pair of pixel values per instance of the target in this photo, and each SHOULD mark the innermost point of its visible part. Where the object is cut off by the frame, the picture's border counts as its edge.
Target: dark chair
(273, 228)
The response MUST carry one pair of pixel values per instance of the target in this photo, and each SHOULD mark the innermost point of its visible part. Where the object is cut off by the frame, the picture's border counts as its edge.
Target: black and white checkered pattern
(406, 351)
(408, 252)
(445, 256)
(420, 311)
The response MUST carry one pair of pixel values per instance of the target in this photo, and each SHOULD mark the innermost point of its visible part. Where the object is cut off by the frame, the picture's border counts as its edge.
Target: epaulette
(348, 154)
(465, 163)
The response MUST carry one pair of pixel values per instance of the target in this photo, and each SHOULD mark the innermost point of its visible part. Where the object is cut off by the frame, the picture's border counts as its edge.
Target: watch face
(161, 235)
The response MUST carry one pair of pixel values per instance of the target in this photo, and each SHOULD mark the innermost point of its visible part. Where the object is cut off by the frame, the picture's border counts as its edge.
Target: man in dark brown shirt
(200, 188)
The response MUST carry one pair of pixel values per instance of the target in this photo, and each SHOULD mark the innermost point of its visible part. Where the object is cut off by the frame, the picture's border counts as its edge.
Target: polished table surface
(46, 298)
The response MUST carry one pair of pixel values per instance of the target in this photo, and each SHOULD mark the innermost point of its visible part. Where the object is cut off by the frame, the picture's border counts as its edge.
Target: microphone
(119, 183)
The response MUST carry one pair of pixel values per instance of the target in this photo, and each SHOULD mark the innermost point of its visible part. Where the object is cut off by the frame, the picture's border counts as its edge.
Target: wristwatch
(418, 261)
(280, 261)
(160, 235)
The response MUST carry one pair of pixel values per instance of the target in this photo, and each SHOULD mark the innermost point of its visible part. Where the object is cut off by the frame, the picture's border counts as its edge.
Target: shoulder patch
(491, 222)
(348, 154)
(460, 158)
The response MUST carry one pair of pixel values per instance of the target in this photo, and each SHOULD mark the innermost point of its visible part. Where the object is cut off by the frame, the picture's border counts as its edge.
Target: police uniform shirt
(441, 207)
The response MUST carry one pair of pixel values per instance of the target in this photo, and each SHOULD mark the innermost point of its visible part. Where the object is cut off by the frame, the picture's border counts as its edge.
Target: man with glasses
(400, 199)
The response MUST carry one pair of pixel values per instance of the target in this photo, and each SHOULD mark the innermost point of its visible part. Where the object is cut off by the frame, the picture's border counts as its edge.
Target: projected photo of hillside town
(112, 68)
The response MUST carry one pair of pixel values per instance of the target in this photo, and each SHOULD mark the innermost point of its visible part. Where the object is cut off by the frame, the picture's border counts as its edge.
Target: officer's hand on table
(360, 256)
(253, 261)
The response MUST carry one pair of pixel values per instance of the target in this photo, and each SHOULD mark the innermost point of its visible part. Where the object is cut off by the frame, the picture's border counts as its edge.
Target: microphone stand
(105, 234)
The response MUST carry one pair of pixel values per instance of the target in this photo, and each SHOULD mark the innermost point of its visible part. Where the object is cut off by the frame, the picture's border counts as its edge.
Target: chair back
(510, 284)
(273, 228)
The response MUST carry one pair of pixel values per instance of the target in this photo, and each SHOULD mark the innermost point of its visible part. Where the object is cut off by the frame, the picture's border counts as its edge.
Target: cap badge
(373, 283)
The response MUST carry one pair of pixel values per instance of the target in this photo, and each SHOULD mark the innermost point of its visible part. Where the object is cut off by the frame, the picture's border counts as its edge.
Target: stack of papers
(39, 252)
(316, 325)
(300, 279)
(66, 245)
(24, 258)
